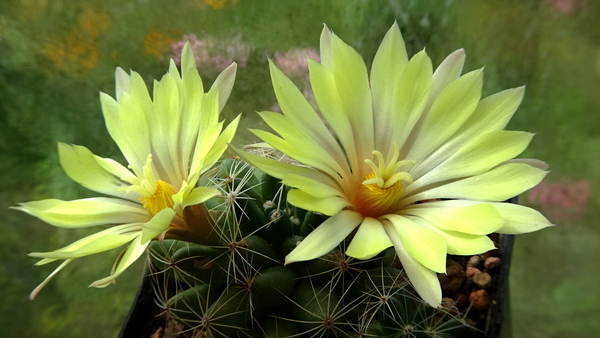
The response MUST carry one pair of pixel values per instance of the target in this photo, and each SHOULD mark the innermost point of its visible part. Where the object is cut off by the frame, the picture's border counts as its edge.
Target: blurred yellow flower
(414, 159)
(169, 140)
(77, 52)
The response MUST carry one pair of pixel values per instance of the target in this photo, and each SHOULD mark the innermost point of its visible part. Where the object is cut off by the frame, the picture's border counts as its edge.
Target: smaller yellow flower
(169, 142)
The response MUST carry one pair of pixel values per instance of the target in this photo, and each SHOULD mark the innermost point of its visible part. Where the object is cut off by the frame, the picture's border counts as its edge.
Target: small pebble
(449, 306)
(453, 279)
(480, 300)
(491, 263)
(471, 271)
(482, 279)
(475, 261)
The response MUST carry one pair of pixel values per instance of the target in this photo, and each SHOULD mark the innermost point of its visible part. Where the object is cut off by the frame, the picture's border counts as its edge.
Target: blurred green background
(57, 55)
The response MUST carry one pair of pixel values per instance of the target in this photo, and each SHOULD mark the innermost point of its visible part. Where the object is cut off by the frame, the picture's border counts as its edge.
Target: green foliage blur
(56, 56)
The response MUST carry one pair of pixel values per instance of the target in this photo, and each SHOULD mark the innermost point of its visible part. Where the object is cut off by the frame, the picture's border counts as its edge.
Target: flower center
(381, 188)
(162, 198)
(156, 194)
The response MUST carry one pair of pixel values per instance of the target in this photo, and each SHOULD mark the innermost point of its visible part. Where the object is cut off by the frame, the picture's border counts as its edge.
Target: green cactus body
(240, 287)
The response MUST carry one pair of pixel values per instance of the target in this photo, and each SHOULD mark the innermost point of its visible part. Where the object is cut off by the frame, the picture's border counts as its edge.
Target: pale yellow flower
(169, 141)
(403, 157)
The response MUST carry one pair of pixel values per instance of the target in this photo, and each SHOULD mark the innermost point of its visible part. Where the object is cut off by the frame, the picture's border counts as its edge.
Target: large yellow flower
(169, 141)
(407, 157)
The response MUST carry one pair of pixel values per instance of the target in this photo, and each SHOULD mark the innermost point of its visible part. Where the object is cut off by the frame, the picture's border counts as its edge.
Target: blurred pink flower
(563, 200)
(213, 54)
(567, 6)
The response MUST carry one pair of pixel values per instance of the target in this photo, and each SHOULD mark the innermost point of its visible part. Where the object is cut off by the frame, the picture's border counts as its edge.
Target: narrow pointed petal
(498, 184)
(388, 63)
(134, 251)
(475, 157)
(325, 48)
(220, 145)
(95, 173)
(157, 225)
(325, 90)
(479, 219)
(224, 84)
(450, 110)
(122, 81)
(424, 280)
(165, 125)
(99, 242)
(411, 90)
(492, 113)
(448, 71)
(119, 125)
(328, 205)
(302, 154)
(315, 188)
(280, 169)
(352, 82)
(422, 243)
(459, 243)
(369, 240)
(39, 288)
(196, 196)
(520, 219)
(325, 237)
(85, 212)
(530, 161)
(293, 133)
(300, 114)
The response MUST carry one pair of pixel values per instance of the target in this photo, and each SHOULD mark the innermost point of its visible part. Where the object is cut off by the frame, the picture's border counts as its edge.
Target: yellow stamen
(162, 198)
(381, 188)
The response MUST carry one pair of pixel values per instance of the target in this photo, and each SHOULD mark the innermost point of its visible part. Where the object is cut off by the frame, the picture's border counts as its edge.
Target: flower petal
(85, 212)
(460, 243)
(42, 284)
(498, 184)
(448, 71)
(302, 154)
(293, 133)
(99, 242)
(300, 114)
(492, 113)
(280, 169)
(520, 219)
(220, 144)
(328, 206)
(326, 94)
(477, 156)
(157, 225)
(352, 83)
(479, 219)
(325, 237)
(134, 251)
(424, 280)
(95, 173)
(369, 240)
(122, 126)
(387, 65)
(450, 110)
(310, 186)
(165, 125)
(196, 195)
(422, 243)
(224, 84)
(411, 91)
